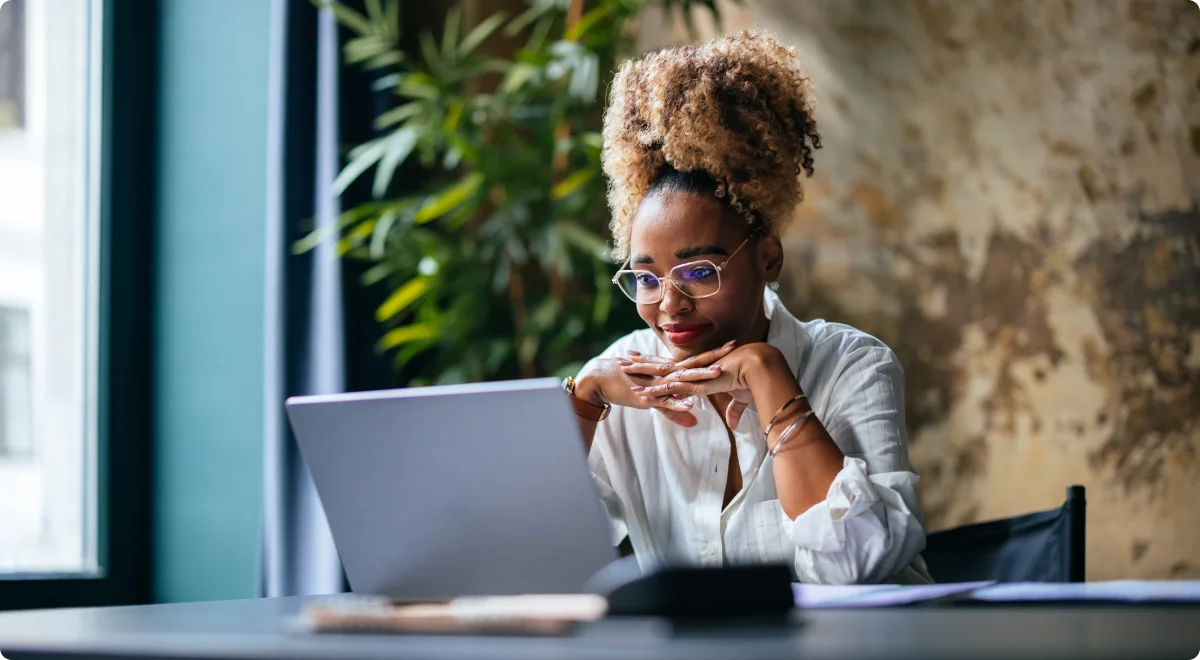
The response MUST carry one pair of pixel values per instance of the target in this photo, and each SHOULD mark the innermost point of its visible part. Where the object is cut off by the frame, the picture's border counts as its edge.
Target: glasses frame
(720, 267)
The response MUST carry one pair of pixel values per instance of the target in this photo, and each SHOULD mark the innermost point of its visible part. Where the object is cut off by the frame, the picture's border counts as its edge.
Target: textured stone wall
(1009, 196)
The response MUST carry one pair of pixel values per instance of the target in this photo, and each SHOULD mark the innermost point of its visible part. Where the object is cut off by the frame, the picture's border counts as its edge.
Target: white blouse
(663, 484)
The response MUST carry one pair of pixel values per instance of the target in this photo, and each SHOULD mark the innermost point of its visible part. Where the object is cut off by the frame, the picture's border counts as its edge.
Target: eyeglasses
(695, 279)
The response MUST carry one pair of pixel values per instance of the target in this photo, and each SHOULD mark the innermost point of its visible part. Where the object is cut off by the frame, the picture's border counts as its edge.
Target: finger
(707, 357)
(667, 389)
(639, 357)
(667, 403)
(692, 375)
(684, 419)
(733, 413)
(647, 369)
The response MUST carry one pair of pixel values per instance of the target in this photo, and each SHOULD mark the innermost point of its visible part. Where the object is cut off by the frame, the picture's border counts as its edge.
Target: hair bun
(739, 108)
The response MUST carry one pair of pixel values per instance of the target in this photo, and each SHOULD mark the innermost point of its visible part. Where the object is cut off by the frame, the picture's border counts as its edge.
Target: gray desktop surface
(258, 629)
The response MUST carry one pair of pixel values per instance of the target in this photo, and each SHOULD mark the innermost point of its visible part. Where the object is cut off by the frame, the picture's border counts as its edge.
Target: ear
(770, 257)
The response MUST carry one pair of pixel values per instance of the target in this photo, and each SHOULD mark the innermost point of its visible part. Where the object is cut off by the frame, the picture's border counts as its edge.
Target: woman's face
(675, 228)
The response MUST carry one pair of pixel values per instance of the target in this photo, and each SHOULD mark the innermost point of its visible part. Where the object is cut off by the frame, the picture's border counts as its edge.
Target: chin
(682, 352)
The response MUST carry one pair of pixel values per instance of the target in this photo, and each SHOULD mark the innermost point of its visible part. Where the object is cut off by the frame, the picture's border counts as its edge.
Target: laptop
(438, 492)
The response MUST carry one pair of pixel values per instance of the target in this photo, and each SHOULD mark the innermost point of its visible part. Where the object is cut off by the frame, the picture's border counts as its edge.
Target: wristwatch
(585, 409)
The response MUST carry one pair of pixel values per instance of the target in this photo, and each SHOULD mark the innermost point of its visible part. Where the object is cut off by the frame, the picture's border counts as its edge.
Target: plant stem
(516, 298)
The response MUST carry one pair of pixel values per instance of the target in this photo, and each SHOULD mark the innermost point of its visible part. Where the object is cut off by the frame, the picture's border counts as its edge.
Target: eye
(646, 280)
(700, 272)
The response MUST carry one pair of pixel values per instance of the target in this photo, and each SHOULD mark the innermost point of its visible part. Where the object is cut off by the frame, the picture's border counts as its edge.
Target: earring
(774, 285)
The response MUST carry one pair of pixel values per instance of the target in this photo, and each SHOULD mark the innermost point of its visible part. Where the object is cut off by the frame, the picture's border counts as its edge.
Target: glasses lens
(697, 279)
(639, 285)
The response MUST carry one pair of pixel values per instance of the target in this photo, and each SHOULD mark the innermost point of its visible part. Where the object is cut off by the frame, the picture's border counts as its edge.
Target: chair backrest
(1038, 547)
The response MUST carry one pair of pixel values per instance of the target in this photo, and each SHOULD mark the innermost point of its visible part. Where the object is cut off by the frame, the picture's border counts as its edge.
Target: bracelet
(788, 432)
(585, 409)
(782, 408)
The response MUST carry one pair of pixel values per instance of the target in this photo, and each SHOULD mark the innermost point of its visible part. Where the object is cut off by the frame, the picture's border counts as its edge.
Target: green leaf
(376, 274)
(429, 51)
(407, 334)
(375, 11)
(525, 18)
(527, 349)
(585, 79)
(586, 22)
(480, 34)
(450, 197)
(390, 81)
(399, 146)
(401, 298)
(518, 75)
(450, 33)
(545, 314)
(364, 48)
(390, 58)
(398, 114)
(355, 237)
(392, 19)
(350, 18)
(380, 234)
(346, 219)
(571, 183)
(583, 239)
(364, 147)
(592, 140)
(453, 114)
(412, 350)
(419, 85)
(359, 164)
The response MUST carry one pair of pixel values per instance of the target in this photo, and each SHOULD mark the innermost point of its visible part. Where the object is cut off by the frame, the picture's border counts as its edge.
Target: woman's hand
(680, 380)
(605, 381)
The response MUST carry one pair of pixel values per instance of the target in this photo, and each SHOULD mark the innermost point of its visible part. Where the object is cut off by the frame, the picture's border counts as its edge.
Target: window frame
(124, 440)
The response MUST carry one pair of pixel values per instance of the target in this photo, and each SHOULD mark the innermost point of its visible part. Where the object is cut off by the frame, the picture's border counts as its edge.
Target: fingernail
(715, 367)
(685, 404)
(634, 353)
(637, 388)
(625, 363)
(729, 343)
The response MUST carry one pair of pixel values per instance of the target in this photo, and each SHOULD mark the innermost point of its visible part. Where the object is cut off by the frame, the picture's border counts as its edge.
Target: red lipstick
(682, 334)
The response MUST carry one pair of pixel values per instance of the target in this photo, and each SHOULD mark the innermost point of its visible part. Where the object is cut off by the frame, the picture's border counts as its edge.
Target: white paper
(1131, 591)
(876, 595)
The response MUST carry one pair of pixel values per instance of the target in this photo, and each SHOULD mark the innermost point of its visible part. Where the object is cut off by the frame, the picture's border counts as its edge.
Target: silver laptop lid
(438, 492)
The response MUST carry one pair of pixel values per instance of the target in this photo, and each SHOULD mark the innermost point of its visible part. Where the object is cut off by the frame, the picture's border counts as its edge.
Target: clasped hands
(650, 381)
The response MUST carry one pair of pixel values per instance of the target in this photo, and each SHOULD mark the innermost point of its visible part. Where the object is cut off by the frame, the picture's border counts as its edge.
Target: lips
(682, 334)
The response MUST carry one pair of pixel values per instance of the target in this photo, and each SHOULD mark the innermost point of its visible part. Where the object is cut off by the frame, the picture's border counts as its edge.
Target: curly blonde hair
(739, 109)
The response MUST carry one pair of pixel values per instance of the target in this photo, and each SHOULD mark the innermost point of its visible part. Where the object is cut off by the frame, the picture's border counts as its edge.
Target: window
(12, 65)
(49, 125)
(16, 387)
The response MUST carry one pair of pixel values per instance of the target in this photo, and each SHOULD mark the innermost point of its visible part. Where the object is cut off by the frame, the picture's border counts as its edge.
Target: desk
(254, 629)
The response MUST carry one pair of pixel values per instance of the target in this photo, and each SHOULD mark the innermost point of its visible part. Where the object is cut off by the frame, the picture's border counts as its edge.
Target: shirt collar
(782, 333)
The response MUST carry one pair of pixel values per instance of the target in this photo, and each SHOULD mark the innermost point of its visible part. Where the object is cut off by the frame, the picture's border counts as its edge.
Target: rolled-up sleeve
(869, 527)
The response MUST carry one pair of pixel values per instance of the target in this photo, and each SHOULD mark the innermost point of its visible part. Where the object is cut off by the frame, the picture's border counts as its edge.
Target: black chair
(1037, 547)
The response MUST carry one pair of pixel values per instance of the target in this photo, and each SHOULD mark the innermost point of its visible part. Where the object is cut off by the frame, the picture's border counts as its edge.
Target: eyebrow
(684, 253)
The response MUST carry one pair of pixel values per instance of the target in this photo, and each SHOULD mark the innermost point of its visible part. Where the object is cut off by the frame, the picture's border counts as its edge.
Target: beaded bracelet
(782, 408)
(789, 430)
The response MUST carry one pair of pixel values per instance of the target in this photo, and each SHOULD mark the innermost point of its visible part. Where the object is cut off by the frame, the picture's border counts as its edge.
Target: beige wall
(1009, 195)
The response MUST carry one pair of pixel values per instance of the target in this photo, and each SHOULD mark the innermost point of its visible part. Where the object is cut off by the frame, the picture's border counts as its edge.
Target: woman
(728, 431)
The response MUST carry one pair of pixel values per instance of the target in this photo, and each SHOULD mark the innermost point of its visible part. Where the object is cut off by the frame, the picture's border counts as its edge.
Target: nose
(674, 302)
